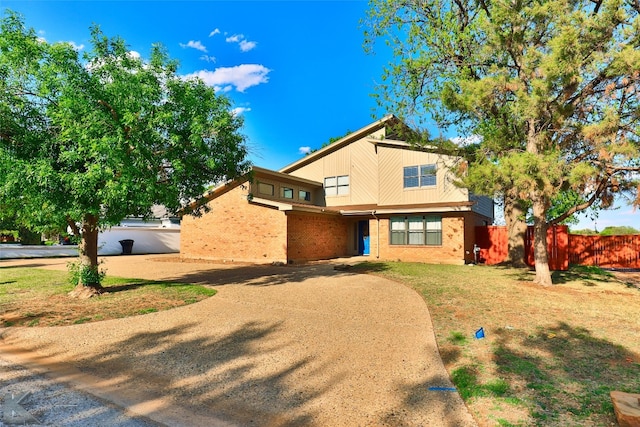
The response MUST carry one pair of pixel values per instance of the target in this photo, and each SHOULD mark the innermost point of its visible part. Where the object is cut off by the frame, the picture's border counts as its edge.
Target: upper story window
(336, 185)
(264, 188)
(419, 176)
(287, 193)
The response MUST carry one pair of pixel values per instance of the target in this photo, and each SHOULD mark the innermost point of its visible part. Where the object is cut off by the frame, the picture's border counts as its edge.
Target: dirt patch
(630, 278)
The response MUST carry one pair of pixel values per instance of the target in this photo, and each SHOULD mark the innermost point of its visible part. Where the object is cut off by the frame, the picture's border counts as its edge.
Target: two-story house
(366, 194)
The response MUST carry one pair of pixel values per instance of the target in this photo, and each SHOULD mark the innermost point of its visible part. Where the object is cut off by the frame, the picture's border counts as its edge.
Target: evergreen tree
(551, 86)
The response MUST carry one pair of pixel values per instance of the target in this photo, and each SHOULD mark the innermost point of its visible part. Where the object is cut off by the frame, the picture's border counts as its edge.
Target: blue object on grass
(442, 388)
(480, 333)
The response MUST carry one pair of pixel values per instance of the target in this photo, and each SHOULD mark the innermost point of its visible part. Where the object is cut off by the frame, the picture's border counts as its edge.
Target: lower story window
(304, 195)
(416, 230)
(287, 193)
(264, 188)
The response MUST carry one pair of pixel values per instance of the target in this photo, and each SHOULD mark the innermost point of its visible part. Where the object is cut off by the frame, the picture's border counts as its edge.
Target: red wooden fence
(493, 242)
(563, 248)
(605, 251)
(557, 247)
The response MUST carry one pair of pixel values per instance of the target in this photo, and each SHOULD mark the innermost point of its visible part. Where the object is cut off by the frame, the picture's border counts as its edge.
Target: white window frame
(421, 176)
(336, 185)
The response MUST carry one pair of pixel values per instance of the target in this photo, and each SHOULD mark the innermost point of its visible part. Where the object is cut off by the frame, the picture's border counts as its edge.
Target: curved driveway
(277, 346)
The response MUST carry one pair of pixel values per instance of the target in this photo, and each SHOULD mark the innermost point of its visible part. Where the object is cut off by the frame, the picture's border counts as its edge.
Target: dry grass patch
(550, 356)
(38, 297)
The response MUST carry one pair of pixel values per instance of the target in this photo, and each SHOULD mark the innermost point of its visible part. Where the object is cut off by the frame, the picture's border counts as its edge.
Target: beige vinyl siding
(392, 162)
(390, 172)
(358, 161)
(364, 173)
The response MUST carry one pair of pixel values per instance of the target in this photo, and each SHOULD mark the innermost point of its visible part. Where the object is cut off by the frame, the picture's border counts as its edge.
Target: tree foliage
(550, 86)
(329, 142)
(618, 231)
(87, 140)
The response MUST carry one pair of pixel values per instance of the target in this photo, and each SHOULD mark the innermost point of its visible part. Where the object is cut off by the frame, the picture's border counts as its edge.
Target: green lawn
(38, 297)
(550, 356)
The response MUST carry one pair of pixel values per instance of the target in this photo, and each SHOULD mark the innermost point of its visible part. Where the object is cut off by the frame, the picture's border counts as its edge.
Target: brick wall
(452, 250)
(235, 230)
(314, 236)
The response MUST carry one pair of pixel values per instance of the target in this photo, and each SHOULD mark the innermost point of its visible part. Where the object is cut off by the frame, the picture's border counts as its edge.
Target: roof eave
(367, 130)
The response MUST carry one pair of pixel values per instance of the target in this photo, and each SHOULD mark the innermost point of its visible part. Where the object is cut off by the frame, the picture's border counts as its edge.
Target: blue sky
(295, 70)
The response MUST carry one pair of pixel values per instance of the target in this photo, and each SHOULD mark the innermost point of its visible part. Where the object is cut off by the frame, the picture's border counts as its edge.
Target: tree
(551, 87)
(619, 231)
(86, 141)
(329, 142)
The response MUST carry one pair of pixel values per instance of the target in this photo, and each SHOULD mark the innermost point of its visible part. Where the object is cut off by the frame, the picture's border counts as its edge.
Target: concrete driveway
(277, 346)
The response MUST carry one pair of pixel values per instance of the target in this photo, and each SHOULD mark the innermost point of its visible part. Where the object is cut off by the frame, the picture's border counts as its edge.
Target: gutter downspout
(373, 214)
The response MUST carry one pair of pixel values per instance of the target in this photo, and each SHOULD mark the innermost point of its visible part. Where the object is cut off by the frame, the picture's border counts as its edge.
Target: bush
(85, 274)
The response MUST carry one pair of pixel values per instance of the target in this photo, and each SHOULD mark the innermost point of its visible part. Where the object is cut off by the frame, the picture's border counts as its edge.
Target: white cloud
(214, 32)
(133, 54)
(304, 150)
(208, 58)
(241, 77)
(194, 44)
(76, 46)
(239, 110)
(246, 46)
(463, 141)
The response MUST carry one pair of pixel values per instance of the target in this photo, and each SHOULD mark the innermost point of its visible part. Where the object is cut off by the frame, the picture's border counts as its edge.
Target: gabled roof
(387, 121)
(224, 187)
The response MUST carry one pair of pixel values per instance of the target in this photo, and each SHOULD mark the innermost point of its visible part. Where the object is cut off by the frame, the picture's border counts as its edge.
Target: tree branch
(582, 206)
(113, 112)
(74, 227)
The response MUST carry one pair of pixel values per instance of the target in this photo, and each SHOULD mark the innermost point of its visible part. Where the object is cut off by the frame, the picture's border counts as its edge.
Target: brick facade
(290, 218)
(452, 250)
(316, 236)
(235, 230)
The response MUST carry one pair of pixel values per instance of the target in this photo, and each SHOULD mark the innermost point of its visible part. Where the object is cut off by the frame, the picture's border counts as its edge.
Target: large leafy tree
(551, 86)
(86, 141)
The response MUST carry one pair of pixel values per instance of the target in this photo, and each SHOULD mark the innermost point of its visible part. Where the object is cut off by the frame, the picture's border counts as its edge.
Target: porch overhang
(375, 210)
(293, 207)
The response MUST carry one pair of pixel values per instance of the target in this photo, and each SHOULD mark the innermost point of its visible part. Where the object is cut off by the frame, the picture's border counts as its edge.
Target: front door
(363, 238)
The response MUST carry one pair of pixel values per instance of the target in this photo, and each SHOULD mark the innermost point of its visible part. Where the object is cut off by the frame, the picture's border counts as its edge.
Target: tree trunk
(540, 204)
(88, 284)
(28, 237)
(516, 229)
(540, 254)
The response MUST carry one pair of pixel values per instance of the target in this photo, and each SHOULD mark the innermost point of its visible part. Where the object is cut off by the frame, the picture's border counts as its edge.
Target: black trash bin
(127, 246)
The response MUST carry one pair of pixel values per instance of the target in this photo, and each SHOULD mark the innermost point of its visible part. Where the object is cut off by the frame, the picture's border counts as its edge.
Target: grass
(550, 356)
(38, 297)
